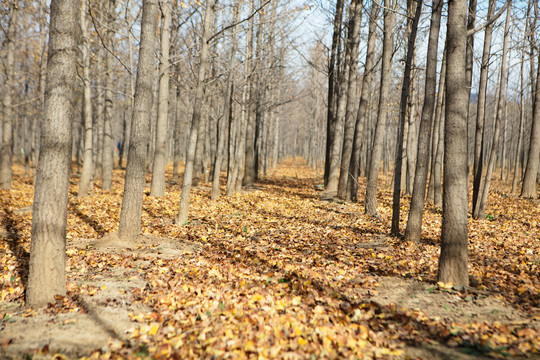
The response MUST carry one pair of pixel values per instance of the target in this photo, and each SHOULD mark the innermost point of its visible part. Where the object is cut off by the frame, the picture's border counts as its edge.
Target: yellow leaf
(153, 329)
(302, 341)
(297, 300)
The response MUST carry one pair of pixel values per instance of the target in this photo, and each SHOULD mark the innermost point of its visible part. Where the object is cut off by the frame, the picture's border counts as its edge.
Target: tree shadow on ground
(13, 238)
(100, 230)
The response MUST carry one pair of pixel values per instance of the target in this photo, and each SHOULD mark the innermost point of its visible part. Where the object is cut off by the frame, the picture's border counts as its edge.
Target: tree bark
(365, 95)
(6, 155)
(353, 43)
(47, 276)
(480, 115)
(130, 215)
(378, 142)
(498, 119)
(453, 259)
(157, 187)
(528, 188)
(182, 216)
(108, 146)
(405, 93)
(86, 175)
(414, 223)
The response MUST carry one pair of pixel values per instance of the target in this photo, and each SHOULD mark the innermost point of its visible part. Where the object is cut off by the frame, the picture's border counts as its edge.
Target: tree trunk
(498, 119)
(332, 80)
(6, 155)
(519, 145)
(480, 115)
(405, 93)
(453, 259)
(528, 189)
(130, 215)
(363, 108)
(414, 223)
(378, 142)
(108, 146)
(86, 175)
(157, 187)
(353, 43)
(182, 215)
(47, 276)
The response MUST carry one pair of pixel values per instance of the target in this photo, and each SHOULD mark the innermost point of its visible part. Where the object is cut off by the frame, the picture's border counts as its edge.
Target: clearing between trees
(273, 272)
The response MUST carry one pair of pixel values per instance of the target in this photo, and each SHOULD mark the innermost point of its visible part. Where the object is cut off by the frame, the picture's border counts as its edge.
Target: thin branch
(488, 22)
(239, 22)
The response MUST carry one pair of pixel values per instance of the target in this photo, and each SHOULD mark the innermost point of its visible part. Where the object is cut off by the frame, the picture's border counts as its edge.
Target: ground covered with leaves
(274, 272)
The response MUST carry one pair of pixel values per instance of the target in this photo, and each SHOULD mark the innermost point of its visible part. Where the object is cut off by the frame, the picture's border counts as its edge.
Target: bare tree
(6, 155)
(377, 151)
(182, 215)
(414, 223)
(130, 215)
(86, 175)
(47, 276)
(453, 259)
(157, 187)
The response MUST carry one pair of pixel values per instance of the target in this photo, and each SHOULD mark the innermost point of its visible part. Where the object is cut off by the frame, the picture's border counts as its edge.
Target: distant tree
(47, 276)
(454, 245)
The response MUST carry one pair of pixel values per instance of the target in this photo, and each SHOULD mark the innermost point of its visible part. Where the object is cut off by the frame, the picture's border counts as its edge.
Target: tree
(362, 115)
(86, 175)
(182, 215)
(414, 222)
(377, 151)
(157, 187)
(48, 246)
(405, 93)
(528, 188)
(351, 58)
(130, 215)
(6, 155)
(108, 144)
(453, 259)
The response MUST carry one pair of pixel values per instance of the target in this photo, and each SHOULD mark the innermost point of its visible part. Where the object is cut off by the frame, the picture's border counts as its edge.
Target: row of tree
(225, 95)
(433, 140)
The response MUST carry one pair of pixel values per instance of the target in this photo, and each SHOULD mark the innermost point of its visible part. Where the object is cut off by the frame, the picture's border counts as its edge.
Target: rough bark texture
(454, 257)
(47, 276)
(6, 156)
(414, 222)
(405, 93)
(130, 215)
(157, 187)
(183, 211)
(378, 142)
(86, 174)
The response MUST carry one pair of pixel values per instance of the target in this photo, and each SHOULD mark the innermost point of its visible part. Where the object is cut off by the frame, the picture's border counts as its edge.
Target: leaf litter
(274, 272)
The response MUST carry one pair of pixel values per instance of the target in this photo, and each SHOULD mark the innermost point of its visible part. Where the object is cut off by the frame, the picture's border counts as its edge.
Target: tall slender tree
(157, 187)
(414, 222)
(130, 215)
(47, 276)
(453, 259)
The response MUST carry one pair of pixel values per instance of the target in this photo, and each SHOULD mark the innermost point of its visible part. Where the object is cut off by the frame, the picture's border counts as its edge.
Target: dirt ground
(105, 319)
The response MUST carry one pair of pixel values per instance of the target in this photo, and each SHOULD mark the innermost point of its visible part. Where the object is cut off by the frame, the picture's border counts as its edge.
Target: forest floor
(275, 272)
